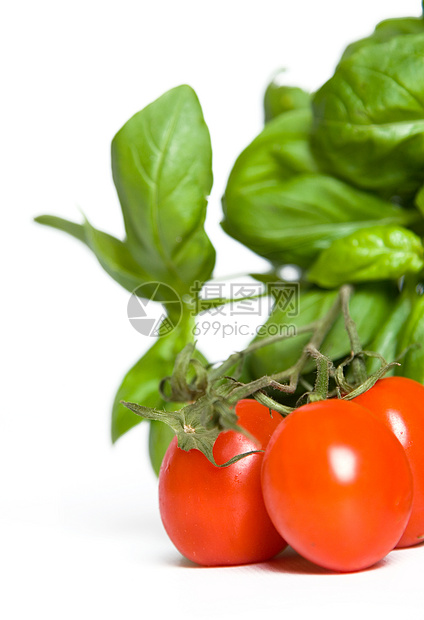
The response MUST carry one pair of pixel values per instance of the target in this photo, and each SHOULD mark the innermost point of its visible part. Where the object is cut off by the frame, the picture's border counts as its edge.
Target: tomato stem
(358, 363)
(235, 358)
(320, 330)
(324, 368)
(269, 402)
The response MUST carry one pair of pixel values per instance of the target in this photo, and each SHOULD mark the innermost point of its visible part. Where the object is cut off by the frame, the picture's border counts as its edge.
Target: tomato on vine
(337, 485)
(216, 516)
(399, 403)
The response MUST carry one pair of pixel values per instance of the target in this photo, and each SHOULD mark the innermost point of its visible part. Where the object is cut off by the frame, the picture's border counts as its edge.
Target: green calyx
(197, 425)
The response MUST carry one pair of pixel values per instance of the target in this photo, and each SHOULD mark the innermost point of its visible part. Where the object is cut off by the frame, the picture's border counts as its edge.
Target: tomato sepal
(198, 424)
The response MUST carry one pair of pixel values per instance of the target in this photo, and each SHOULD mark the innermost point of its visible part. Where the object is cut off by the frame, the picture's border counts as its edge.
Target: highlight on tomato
(337, 485)
(399, 403)
(216, 516)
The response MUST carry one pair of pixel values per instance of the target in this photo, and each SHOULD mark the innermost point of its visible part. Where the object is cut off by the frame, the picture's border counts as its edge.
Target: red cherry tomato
(399, 403)
(337, 485)
(216, 516)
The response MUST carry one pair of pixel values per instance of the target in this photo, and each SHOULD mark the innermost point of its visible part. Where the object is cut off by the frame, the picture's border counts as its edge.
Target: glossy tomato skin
(337, 485)
(216, 516)
(399, 403)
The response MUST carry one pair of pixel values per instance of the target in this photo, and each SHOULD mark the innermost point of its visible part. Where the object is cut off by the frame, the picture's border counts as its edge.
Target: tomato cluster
(340, 481)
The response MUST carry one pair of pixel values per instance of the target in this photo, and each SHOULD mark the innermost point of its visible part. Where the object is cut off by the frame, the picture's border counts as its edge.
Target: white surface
(80, 535)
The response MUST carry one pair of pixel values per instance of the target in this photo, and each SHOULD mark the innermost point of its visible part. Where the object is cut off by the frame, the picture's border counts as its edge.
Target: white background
(80, 533)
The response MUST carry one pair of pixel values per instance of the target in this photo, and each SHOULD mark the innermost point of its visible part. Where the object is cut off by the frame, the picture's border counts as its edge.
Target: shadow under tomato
(184, 563)
(418, 545)
(289, 561)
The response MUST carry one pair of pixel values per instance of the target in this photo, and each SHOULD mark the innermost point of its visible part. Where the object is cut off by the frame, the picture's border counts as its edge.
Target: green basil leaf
(112, 254)
(385, 31)
(278, 205)
(369, 118)
(279, 99)
(368, 307)
(419, 199)
(374, 253)
(162, 169)
(141, 383)
(71, 228)
(412, 365)
(386, 340)
(278, 152)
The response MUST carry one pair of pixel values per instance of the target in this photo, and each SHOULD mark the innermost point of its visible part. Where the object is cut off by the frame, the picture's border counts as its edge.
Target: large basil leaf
(278, 205)
(368, 307)
(412, 365)
(279, 98)
(369, 118)
(278, 152)
(112, 254)
(370, 254)
(385, 31)
(162, 169)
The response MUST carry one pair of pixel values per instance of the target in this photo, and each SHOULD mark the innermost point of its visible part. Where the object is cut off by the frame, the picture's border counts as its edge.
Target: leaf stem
(320, 330)
(235, 358)
(318, 337)
(358, 362)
